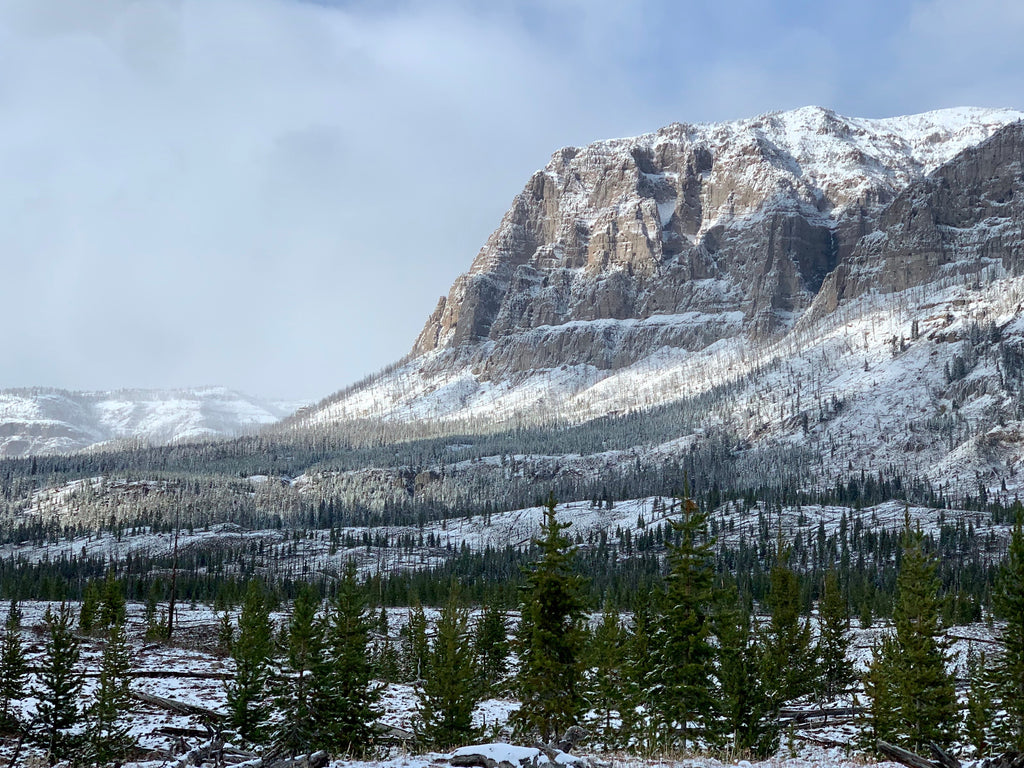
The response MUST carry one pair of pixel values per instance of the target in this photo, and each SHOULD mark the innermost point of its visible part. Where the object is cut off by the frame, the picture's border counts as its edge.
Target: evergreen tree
(247, 694)
(743, 700)
(833, 644)
(294, 732)
(980, 709)
(1009, 602)
(13, 666)
(415, 648)
(687, 702)
(107, 735)
(385, 658)
(550, 640)
(58, 687)
(606, 676)
(450, 688)
(913, 701)
(91, 596)
(492, 647)
(112, 607)
(342, 690)
(790, 667)
(640, 679)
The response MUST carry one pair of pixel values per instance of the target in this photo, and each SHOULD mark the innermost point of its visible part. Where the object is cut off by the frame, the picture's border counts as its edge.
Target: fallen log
(942, 757)
(181, 707)
(904, 756)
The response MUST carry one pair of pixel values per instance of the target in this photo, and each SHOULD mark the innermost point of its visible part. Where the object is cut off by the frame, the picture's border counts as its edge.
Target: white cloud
(271, 194)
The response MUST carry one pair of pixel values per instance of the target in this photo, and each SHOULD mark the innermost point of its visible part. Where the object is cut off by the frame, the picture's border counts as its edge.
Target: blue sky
(272, 194)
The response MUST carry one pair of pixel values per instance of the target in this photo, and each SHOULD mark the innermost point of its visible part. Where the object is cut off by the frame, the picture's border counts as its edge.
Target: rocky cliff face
(965, 217)
(691, 234)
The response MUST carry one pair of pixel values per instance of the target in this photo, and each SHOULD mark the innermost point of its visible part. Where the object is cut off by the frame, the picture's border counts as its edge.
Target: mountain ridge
(42, 420)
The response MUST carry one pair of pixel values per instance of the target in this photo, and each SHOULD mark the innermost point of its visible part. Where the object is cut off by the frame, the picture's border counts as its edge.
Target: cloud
(271, 194)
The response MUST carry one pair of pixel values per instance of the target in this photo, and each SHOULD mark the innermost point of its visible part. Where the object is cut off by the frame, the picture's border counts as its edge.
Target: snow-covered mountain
(38, 421)
(848, 285)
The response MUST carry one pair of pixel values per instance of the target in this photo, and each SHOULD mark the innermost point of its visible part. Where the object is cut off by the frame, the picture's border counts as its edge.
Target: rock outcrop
(707, 231)
(964, 217)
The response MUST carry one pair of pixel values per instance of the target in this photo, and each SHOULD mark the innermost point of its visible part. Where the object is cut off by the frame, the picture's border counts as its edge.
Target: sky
(271, 195)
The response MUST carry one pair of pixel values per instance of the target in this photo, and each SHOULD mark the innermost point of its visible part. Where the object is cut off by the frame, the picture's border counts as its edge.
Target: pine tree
(107, 735)
(247, 694)
(385, 659)
(790, 667)
(59, 685)
(744, 702)
(294, 732)
(687, 703)
(1009, 602)
(342, 689)
(87, 614)
(450, 689)
(550, 639)
(980, 709)
(640, 683)
(606, 676)
(13, 666)
(415, 648)
(913, 701)
(112, 608)
(833, 644)
(492, 647)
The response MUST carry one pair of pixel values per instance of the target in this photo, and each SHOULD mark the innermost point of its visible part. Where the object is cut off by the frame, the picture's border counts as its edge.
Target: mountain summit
(636, 271)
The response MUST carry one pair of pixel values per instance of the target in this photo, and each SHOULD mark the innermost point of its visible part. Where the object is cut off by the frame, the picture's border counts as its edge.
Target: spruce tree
(414, 645)
(1009, 603)
(913, 701)
(606, 676)
(550, 638)
(107, 735)
(687, 703)
(58, 686)
(293, 732)
(450, 689)
(342, 690)
(640, 679)
(790, 667)
(980, 704)
(87, 614)
(112, 608)
(386, 659)
(744, 703)
(492, 647)
(13, 666)
(833, 643)
(247, 693)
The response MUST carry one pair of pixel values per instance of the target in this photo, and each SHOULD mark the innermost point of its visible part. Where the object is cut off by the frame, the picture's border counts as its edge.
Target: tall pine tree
(550, 639)
(343, 693)
(58, 686)
(107, 734)
(451, 688)
(688, 702)
(833, 643)
(248, 697)
(913, 701)
(293, 732)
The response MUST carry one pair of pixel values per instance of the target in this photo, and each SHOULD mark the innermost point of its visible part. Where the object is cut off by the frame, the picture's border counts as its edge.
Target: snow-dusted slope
(35, 421)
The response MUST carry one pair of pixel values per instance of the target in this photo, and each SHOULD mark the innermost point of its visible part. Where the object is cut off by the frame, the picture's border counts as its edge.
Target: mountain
(39, 421)
(843, 285)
